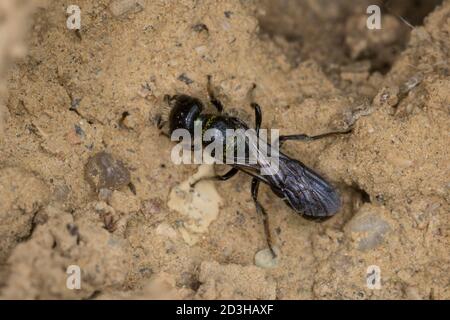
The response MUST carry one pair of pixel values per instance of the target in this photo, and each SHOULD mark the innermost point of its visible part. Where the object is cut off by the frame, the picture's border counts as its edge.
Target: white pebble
(265, 259)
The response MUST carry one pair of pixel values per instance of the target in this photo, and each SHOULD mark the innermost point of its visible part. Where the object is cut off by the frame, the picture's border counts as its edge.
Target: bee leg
(159, 120)
(212, 97)
(258, 112)
(258, 117)
(260, 209)
(160, 124)
(304, 137)
(223, 177)
(167, 99)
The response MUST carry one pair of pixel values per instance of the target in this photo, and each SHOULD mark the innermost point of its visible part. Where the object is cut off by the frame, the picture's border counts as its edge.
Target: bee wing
(306, 191)
(254, 161)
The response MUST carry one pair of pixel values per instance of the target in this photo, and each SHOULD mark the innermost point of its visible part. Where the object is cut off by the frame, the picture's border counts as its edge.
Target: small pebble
(104, 171)
(73, 229)
(412, 293)
(265, 259)
(130, 121)
(166, 230)
(368, 228)
(104, 194)
(74, 104)
(183, 77)
(398, 161)
(73, 138)
(144, 91)
(103, 208)
(61, 192)
(124, 203)
(120, 7)
(152, 206)
(79, 131)
(199, 27)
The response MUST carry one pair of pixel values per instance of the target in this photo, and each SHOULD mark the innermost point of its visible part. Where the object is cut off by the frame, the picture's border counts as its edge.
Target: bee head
(184, 111)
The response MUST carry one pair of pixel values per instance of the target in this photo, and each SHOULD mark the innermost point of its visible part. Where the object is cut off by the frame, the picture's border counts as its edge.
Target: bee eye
(185, 111)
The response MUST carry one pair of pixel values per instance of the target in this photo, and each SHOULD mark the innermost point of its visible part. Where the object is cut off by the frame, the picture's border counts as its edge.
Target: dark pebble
(104, 171)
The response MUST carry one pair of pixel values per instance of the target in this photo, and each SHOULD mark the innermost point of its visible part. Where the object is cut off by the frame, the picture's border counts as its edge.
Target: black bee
(304, 190)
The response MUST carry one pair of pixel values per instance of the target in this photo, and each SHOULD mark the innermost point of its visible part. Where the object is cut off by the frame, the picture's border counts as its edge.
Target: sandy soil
(86, 178)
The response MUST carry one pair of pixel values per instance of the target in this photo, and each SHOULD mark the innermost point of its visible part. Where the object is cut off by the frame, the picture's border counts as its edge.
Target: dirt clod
(22, 196)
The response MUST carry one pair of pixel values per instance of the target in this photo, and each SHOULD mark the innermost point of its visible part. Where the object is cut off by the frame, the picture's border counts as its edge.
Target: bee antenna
(385, 5)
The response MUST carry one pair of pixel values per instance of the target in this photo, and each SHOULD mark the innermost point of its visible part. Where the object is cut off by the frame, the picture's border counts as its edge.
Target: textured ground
(317, 68)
